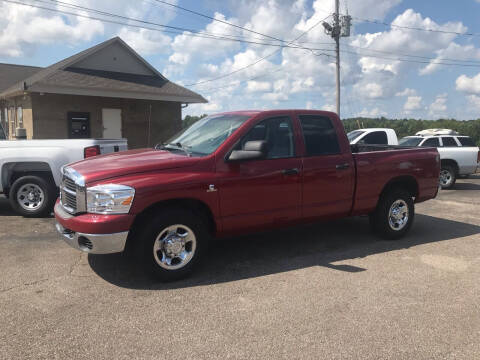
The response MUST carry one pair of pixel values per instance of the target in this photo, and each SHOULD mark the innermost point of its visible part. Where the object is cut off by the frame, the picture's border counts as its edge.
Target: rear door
(267, 192)
(328, 173)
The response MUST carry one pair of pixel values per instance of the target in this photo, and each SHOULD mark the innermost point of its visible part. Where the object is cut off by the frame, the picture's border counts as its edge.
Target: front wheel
(447, 177)
(394, 214)
(32, 196)
(172, 244)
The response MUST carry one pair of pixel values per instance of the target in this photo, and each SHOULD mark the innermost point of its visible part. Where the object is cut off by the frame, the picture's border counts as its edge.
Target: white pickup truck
(30, 169)
(458, 154)
(373, 136)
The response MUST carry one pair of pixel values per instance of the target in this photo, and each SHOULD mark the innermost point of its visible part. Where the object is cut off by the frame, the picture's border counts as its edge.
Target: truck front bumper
(96, 234)
(94, 243)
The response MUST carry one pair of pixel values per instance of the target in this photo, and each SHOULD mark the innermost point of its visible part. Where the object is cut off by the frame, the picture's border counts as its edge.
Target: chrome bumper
(94, 243)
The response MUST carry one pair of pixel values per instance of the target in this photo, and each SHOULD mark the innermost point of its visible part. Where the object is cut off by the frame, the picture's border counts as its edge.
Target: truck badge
(211, 188)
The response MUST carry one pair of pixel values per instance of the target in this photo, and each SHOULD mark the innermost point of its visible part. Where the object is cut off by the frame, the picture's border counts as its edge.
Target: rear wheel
(32, 196)
(172, 243)
(394, 214)
(448, 176)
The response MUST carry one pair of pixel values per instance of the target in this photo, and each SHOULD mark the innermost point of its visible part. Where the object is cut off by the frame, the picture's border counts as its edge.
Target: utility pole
(340, 28)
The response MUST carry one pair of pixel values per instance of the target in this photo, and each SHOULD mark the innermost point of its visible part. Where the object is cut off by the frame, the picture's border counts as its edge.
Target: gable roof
(11, 74)
(64, 77)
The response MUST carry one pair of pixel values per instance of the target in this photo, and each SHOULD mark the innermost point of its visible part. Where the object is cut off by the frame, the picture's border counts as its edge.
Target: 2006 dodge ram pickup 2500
(234, 173)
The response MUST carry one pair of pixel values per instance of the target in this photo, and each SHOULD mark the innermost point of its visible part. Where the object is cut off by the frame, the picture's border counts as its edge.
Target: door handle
(342, 166)
(293, 171)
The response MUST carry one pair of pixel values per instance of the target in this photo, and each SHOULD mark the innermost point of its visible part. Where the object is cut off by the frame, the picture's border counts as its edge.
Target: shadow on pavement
(279, 251)
(5, 208)
(466, 186)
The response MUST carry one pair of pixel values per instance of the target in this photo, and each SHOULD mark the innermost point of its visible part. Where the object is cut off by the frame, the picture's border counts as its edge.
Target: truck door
(266, 192)
(328, 169)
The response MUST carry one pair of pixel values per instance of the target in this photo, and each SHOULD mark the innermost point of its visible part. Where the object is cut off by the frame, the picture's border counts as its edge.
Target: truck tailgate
(114, 145)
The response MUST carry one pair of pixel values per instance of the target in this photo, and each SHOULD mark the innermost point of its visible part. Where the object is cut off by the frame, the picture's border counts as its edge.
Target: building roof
(109, 69)
(11, 74)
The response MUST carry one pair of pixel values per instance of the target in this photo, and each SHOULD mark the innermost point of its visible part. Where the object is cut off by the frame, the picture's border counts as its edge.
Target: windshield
(410, 141)
(352, 135)
(206, 135)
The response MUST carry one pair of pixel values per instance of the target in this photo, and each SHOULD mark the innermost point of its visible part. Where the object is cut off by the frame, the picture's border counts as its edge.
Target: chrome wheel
(398, 215)
(30, 197)
(174, 247)
(446, 177)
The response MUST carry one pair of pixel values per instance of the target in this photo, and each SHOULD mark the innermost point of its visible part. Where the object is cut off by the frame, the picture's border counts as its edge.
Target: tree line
(403, 127)
(406, 127)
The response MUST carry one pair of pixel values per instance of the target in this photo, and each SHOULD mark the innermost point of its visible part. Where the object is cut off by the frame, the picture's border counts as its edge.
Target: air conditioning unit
(436, 132)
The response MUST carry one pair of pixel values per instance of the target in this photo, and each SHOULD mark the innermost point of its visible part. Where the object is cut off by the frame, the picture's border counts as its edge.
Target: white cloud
(187, 48)
(407, 92)
(145, 42)
(468, 85)
(254, 86)
(329, 107)
(453, 51)
(309, 105)
(413, 103)
(22, 28)
(474, 101)
(439, 106)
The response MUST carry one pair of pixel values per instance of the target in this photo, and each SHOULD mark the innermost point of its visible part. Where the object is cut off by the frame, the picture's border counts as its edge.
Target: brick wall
(50, 117)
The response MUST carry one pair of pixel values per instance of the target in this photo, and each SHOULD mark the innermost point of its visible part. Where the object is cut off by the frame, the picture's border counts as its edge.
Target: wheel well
(450, 162)
(13, 171)
(408, 183)
(197, 206)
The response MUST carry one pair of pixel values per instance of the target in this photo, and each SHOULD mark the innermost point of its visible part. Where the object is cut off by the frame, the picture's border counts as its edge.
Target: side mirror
(252, 150)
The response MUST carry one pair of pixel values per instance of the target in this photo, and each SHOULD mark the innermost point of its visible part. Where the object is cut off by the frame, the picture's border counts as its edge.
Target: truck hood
(129, 162)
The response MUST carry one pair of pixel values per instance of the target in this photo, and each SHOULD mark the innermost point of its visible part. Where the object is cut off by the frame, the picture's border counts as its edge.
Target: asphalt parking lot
(325, 291)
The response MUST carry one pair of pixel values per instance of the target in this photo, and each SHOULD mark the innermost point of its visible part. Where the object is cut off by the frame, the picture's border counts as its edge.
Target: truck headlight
(110, 199)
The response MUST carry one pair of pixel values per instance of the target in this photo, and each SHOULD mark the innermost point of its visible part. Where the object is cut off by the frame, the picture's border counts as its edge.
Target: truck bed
(377, 165)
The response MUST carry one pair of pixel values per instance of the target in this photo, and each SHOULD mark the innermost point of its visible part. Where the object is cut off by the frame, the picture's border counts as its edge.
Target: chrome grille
(72, 194)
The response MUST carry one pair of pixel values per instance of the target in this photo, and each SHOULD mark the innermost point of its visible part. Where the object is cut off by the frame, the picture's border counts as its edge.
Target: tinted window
(376, 137)
(466, 141)
(319, 134)
(410, 141)
(277, 132)
(449, 142)
(432, 142)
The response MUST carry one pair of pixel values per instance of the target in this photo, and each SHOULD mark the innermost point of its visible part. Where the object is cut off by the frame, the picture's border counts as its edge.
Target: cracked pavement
(329, 291)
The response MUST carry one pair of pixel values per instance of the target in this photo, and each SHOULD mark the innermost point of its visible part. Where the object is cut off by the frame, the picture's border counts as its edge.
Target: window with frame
(319, 135)
(278, 134)
(432, 142)
(375, 138)
(449, 142)
(466, 141)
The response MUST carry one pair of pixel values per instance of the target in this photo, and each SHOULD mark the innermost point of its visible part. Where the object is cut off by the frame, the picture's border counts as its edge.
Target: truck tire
(172, 243)
(394, 214)
(448, 176)
(32, 196)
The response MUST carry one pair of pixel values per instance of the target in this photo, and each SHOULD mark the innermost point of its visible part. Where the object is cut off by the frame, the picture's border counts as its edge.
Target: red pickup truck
(234, 173)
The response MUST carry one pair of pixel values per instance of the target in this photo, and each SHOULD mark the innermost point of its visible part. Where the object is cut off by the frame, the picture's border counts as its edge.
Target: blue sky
(291, 78)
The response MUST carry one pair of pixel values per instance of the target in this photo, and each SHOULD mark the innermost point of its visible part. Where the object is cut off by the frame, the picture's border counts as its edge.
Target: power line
(218, 20)
(379, 22)
(415, 56)
(259, 60)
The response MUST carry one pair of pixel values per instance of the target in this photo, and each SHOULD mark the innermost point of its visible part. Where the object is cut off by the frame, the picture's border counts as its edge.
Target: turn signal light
(91, 151)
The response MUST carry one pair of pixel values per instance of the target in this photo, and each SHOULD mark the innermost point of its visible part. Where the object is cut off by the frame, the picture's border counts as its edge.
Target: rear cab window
(449, 141)
(466, 141)
(375, 138)
(431, 142)
(319, 135)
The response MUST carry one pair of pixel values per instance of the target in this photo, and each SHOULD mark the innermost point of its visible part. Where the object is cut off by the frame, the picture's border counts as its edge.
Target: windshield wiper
(174, 146)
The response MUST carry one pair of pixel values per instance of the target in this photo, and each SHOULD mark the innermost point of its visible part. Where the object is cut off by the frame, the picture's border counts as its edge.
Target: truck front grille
(72, 195)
